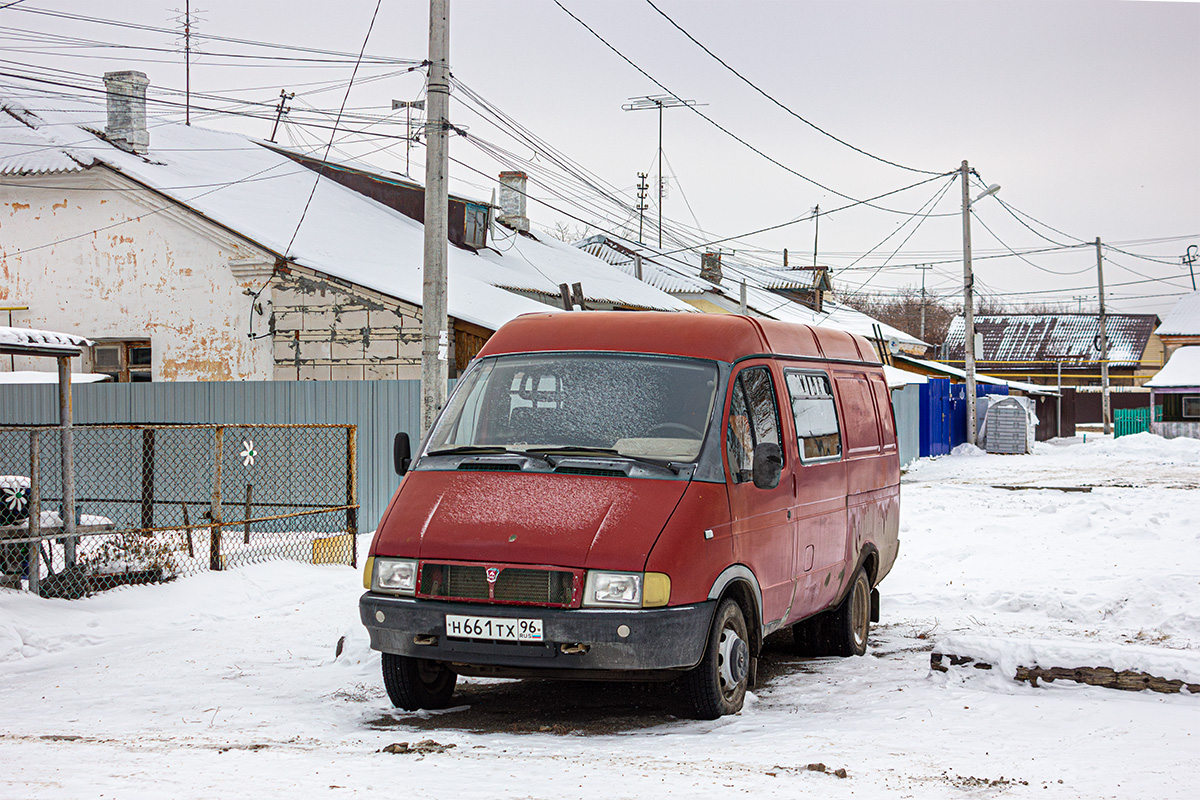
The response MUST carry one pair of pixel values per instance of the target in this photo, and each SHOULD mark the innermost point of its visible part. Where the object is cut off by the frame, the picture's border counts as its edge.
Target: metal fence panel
(379, 409)
(153, 502)
(906, 403)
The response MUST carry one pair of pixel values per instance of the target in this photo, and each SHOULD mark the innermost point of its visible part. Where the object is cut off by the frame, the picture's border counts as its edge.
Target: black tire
(414, 683)
(717, 685)
(842, 631)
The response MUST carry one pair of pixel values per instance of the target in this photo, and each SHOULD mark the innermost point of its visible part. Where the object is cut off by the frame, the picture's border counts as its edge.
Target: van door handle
(789, 513)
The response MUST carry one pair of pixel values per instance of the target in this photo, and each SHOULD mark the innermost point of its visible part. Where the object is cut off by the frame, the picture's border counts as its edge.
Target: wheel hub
(735, 659)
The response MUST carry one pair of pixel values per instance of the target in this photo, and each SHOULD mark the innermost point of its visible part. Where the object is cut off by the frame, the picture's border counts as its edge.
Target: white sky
(1086, 112)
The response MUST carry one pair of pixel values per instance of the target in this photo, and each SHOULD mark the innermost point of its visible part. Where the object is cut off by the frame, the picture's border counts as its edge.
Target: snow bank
(1008, 654)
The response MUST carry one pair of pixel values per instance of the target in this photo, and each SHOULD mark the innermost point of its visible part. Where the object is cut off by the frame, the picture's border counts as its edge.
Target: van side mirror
(768, 465)
(401, 453)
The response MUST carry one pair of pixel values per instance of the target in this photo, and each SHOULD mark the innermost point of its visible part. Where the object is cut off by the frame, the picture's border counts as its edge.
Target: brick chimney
(710, 267)
(126, 126)
(512, 201)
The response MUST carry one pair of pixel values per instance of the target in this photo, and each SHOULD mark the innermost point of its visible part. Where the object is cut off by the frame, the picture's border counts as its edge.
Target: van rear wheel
(717, 685)
(842, 631)
(414, 683)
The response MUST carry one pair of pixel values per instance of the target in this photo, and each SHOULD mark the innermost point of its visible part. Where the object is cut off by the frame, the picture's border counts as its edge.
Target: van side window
(815, 415)
(753, 419)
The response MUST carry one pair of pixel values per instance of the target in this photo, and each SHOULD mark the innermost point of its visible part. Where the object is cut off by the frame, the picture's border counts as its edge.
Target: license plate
(501, 629)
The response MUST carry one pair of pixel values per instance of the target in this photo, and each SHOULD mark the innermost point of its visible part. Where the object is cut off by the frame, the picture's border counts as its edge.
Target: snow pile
(1005, 655)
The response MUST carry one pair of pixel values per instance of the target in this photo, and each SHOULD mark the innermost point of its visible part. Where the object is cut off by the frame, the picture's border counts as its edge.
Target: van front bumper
(668, 638)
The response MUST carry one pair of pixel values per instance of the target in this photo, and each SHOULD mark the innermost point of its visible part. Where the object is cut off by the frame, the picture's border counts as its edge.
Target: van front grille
(546, 587)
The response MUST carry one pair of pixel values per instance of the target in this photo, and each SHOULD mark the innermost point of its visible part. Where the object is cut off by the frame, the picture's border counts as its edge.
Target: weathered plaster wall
(330, 330)
(91, 254)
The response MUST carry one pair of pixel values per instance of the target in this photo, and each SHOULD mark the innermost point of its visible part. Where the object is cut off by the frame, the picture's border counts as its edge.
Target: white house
(191, 254)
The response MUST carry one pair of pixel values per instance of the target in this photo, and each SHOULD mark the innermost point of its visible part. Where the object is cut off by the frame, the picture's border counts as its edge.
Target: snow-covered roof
(30, 376)
(1184, 319)
(1181, 370)
(48, 342)
(679, 273)
(901, 377)
(261, 195)
(955, 372)
(29, 147)
(1010, 340)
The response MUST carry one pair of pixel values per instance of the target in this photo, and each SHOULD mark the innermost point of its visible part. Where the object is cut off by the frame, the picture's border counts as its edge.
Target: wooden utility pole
(1104, 398)
(435, 329)
(968, 301)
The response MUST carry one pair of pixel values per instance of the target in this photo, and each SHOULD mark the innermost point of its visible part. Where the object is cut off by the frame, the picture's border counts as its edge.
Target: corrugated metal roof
(1047, 338)
(30, 147)
(1184, 319)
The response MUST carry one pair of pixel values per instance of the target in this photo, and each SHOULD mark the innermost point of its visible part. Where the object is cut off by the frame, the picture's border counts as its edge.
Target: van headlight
(613, 589)
(394, 575)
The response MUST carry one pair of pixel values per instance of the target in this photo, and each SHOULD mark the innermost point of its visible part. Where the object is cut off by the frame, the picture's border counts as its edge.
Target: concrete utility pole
(1104, 398)
(435, 329)
(968, 301)
(969, 294)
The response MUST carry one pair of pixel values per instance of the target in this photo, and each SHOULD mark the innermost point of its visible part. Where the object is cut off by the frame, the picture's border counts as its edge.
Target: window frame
(836, 415)
(735, 385)
(126, 371)
(1195, 403)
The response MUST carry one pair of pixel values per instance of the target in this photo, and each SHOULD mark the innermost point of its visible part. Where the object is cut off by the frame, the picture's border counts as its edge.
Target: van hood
(529, 518)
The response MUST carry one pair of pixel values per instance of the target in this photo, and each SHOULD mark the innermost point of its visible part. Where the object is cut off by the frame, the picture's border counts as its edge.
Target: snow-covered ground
(227, 685)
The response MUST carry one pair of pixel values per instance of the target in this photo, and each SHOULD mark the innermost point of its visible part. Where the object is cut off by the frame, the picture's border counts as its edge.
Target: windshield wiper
(483, 449)
(605, 451)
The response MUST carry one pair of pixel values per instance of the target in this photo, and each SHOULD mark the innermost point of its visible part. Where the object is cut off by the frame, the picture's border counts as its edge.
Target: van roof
(721, 337)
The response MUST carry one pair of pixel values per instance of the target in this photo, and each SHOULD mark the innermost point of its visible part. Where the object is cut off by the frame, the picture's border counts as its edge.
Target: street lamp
(968, 295)
(408, 106)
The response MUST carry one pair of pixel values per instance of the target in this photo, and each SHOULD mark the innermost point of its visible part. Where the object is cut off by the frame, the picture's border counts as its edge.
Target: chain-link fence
(154, 502)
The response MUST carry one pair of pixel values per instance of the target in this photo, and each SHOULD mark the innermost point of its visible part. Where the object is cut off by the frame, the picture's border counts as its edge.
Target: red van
(642, 496)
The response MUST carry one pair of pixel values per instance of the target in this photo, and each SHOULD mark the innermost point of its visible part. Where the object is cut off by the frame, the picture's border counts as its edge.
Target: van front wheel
(842, 631)
(717, 685)
(414, 683)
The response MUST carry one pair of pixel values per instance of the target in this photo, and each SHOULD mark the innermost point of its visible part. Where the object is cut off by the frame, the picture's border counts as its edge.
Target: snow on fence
(157, 501)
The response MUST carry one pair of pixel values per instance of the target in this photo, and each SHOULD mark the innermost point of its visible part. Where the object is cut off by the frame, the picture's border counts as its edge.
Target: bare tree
(568, 232)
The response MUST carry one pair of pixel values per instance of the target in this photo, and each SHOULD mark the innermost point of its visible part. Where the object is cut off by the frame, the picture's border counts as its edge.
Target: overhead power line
(730, 133)
(761, 91)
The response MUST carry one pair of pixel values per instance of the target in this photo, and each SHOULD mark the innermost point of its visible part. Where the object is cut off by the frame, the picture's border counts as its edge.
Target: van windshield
(640, 406)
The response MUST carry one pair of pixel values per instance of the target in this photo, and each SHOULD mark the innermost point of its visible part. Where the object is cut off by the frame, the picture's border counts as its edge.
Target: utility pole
(280, 110)
(968, 301)
(816, 215)
(1189, 261)
(641, 204)
(435, 334)
(969, 293)
(1105, 402)
(408, 106)
(659, 102)
(924, 268)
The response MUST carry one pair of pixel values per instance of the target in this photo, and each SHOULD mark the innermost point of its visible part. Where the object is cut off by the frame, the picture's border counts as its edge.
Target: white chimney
(126, 93)
(512, 200)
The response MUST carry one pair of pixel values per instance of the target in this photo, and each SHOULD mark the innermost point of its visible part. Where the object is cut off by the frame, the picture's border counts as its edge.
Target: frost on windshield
(638, 405)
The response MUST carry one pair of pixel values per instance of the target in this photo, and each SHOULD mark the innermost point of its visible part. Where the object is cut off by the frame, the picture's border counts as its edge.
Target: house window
(123, 361)
(1191, 407)
(476, 222)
